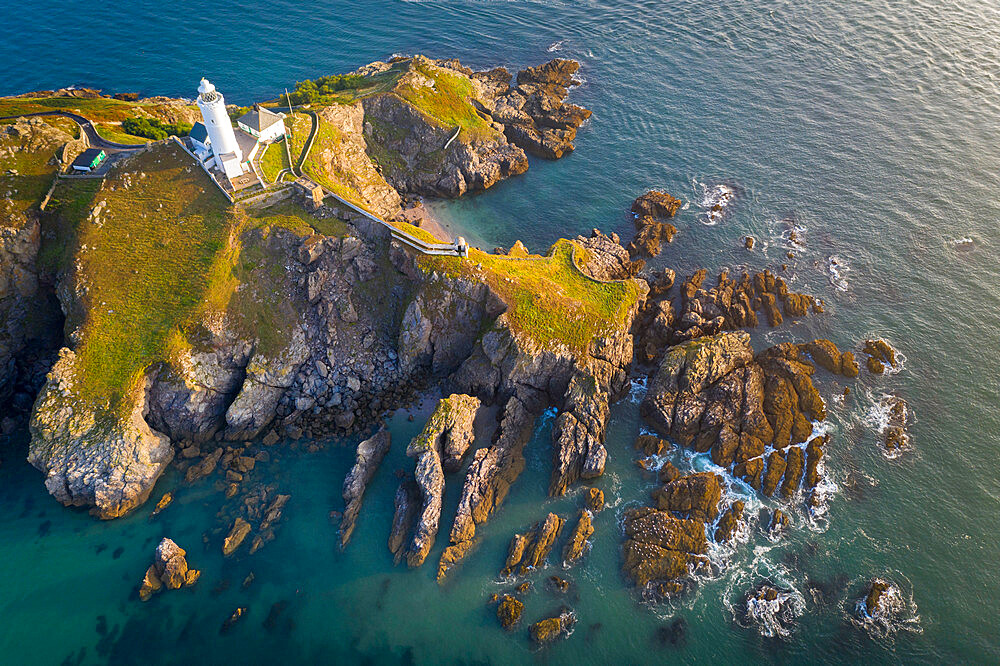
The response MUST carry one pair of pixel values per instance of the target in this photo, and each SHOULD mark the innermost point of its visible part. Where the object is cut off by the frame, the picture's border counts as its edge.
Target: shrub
(310, 92)
(151, 128)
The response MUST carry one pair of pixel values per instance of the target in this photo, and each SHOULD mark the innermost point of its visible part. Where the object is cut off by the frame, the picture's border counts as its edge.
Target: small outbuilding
(199, 137)
(89, 160)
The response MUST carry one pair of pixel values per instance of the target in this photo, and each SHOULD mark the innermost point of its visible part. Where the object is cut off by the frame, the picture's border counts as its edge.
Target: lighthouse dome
(205, 86)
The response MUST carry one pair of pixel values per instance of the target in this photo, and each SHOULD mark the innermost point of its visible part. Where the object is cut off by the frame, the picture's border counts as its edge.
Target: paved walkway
(87, 127)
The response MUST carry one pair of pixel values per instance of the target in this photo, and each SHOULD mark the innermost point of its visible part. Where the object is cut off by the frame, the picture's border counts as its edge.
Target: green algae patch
(550, 301)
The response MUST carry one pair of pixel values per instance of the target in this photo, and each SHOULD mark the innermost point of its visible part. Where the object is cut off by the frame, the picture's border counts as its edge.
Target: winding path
(86, 126)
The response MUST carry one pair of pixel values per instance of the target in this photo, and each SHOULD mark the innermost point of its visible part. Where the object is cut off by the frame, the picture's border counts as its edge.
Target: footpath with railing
(459, 248)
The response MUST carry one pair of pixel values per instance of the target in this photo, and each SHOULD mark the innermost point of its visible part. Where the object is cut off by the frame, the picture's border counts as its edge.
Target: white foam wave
(838, 269)
(716, 200)
(637, 389)
(898, 613)
(555, 46)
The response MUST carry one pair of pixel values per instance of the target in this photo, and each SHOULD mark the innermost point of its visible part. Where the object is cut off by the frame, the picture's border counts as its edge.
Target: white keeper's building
(218, 145)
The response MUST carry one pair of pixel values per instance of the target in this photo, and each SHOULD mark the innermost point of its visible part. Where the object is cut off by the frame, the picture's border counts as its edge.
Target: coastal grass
(25, 177)
(147, 259)
(549, 299)
(447, 100)
(100, 109)
(114, 133)
(274, 161)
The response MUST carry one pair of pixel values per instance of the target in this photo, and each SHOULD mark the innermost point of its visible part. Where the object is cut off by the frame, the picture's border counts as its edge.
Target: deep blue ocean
(869, 128)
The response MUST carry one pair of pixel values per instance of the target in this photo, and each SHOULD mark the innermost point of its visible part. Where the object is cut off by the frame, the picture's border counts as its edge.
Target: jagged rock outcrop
(448, 432)
(695, 496)
(734, 304)
(880, 354)
(344, 158)
(578, 435)
(577, 541)
(169, 570)
(237, 535)
(713, 394)
(528, 551)
(92, 456)
(33, 144)
(549, 629)
(534, 112)
(730, 521)
(605, 258)
(509, 611)
(595, 499)
(406, 504)
(366, 462)
(651, 209)
(419, 152)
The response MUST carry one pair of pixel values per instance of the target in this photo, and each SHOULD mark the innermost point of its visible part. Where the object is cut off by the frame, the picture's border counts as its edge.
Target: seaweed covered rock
(509, 611)
(659, 546)
(368, 457)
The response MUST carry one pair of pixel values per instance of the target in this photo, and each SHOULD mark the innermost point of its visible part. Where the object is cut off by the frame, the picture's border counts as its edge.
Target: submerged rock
(237, 534)
(367, 460)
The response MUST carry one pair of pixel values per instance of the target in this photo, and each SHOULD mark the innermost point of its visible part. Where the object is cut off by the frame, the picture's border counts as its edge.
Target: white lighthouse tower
(228, 155)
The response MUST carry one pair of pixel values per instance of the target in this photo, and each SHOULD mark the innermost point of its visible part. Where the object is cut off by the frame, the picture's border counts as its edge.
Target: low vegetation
(98, 109)
(274, 161)
(151, 128)
(447, 100)
(549, 299)
(325, 88)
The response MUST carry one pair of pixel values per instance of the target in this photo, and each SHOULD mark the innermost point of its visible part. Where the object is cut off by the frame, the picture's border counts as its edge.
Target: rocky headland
(197, 334)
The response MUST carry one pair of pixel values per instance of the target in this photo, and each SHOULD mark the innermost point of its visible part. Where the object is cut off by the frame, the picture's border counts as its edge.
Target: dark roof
(199, 132)
(87, 157)
(259, 119)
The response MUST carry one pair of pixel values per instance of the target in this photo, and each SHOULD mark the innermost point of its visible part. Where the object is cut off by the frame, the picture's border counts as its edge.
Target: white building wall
(217, 122)
(273, 132)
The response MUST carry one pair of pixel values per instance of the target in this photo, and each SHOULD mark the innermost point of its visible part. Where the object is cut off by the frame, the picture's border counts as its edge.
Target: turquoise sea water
(870, 126)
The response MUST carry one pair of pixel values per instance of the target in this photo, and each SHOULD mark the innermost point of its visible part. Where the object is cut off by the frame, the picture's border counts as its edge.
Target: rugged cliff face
(30, 151)
(443, 129)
